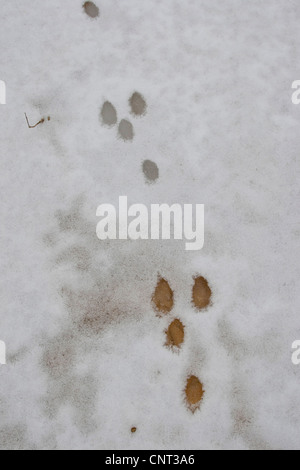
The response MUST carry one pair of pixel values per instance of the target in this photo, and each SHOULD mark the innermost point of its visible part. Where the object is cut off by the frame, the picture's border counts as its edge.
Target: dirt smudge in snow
(77, 255)
(13, 437)
(59, 356)
(95, 295)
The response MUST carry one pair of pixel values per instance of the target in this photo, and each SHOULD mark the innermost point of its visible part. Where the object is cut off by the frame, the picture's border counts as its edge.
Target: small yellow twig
(37, 124)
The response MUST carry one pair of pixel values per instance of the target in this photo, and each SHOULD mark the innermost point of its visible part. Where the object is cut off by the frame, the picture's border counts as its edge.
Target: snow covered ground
(86, 359)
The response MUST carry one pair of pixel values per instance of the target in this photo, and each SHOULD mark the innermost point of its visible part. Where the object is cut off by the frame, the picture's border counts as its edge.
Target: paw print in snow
(163, 303)
(201, 293)
(109, 116)
(91, 9)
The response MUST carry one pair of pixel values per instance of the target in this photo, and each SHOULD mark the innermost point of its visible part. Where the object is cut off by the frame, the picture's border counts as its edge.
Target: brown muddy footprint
(163, 297)
(194, 393)
(91, 9)
(201, 293)
(163, 300)
(175, 334)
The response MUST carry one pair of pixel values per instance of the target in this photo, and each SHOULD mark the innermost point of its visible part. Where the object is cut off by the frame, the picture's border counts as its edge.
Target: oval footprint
(201, 293)
(194, 393)
(91, 9)
(163, 297)
(138, 104)
(126, 131)
(175, 334)
(109, 114)
(151, 171)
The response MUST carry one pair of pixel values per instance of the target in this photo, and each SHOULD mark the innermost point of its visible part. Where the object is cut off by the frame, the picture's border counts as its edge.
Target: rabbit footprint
(138, 107)
(163, 303)
(194, 393)
(163, 297)
(91, 9)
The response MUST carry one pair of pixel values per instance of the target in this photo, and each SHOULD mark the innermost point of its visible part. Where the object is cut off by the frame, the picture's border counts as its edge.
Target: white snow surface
(221, 127)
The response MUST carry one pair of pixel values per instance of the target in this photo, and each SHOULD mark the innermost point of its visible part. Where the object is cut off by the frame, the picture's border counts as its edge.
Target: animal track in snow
(109, 116)
(175, 334)
(163, 303)
(91, 9)
(138, 104)
(201, 293)
(151, 171)
(194, 393)
(126, 131)
(163, 297)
